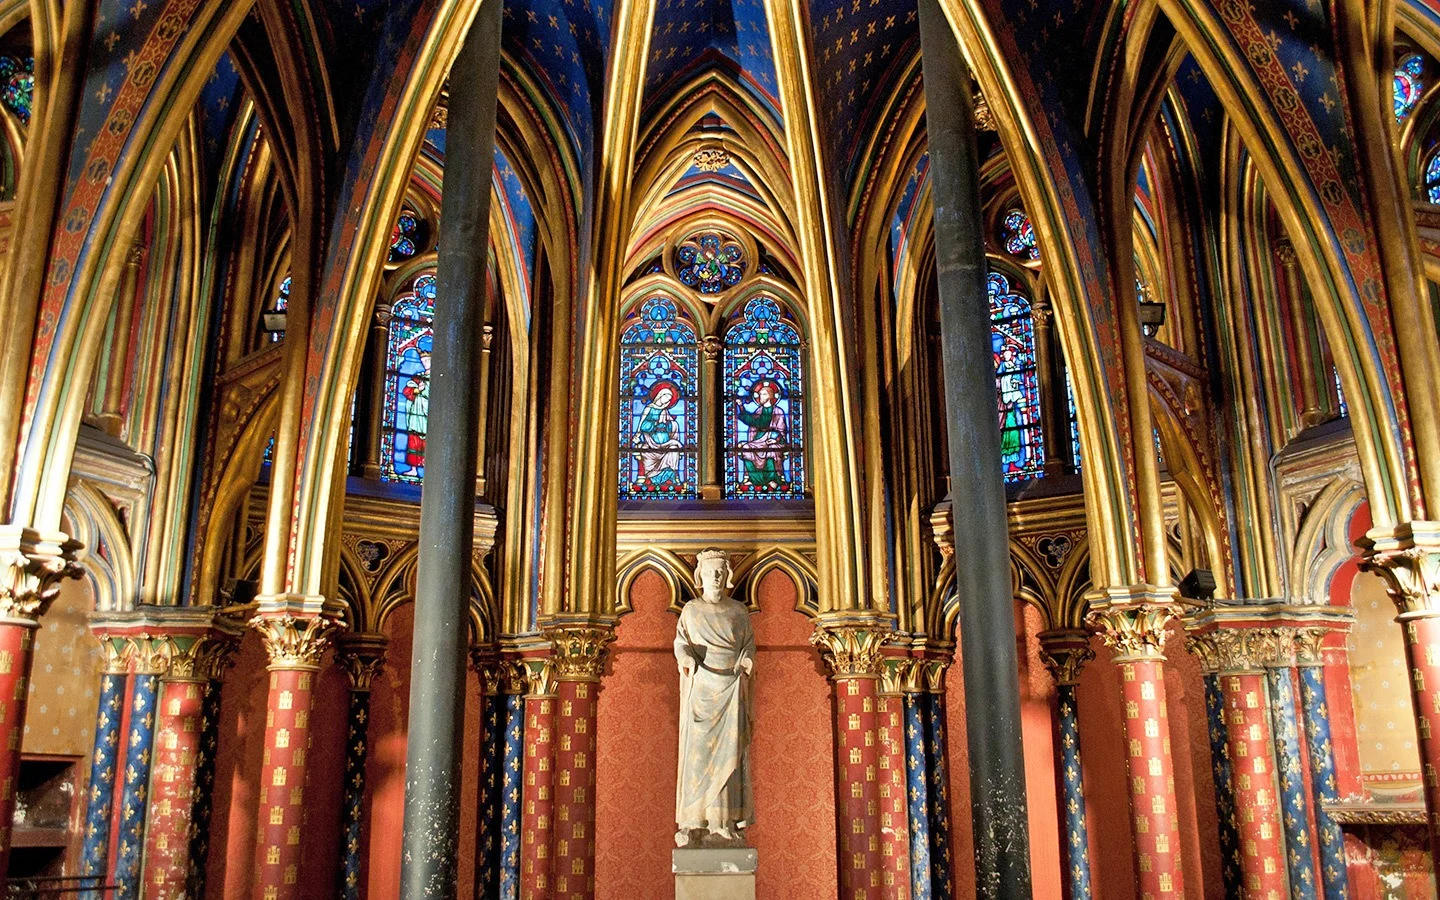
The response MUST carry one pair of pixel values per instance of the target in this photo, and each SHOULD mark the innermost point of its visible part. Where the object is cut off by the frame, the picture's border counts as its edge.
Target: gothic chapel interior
(1043, 370)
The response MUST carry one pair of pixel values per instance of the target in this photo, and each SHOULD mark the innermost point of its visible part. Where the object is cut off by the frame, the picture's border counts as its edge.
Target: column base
(718, 873)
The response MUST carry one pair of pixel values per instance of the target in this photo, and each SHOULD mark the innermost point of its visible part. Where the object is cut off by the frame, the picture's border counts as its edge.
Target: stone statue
(715, 648)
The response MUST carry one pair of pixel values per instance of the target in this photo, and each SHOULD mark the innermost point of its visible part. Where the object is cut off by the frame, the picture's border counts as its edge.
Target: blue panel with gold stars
(1224, 793)
(691, 36)
(492, 754)
(204, 788)
(100, 794)
(1322, 780)
(135, 786)
(1294, 802)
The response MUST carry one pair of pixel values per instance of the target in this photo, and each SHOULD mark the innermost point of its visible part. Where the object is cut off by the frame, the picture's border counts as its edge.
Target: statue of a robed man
(715, 647)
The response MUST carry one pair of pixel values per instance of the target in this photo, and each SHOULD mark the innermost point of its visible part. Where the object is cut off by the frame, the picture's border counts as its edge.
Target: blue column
(917, 790)
(100, 793)
(352, 804)
(204, 790)
(1322, 779)
(1077, 836)
(510, 792)
(1294, 802)
(492, 753)
(135, 792)
(1224, 793)
(942, 869)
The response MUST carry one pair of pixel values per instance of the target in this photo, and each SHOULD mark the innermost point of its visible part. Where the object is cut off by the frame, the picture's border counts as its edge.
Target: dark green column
(977, 490)
(447, 509)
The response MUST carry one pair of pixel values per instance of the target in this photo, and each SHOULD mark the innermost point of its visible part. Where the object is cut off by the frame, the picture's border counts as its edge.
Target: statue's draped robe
(713, 787)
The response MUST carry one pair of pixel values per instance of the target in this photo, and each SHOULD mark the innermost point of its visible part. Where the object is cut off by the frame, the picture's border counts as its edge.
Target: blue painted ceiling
(690, 36)
(565, 44)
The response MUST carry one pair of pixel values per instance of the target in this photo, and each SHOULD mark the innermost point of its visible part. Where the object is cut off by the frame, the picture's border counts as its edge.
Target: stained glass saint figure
(407, 382)
(1012, 333)
(659, 363)
(764, 448)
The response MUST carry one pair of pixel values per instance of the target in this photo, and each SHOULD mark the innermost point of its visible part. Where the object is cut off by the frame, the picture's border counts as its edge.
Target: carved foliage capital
(32, 565)
(1408, 558)
(295, 642)
(578, 651)
(850, 651)
(1065, 653)
(362, 656)
(1135, 631)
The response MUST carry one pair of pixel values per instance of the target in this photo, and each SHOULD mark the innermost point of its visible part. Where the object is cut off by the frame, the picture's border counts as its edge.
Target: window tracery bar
(407, 382)
(1012, 333)
(659, 386)
(764, 404)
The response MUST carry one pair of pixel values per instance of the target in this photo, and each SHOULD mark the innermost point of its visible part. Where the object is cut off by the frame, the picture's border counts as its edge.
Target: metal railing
(88, 887)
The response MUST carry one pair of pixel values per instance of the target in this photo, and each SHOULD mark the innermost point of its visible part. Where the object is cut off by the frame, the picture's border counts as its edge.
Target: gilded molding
(1065, 652)
(850, 651)
(297, 629)
(363, 656)
(578, 651)
(1132, 621)
(1407, 556)
(32, 565)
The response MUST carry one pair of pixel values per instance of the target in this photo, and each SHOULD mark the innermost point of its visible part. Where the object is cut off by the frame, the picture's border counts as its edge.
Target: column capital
(1232, 651)
(362, 654)
(578, 650)
(32, 565)
(180, 642)
(1132, 620)
(1065, 651)
(850, 649)
(296, 628)
(712, 345)
(1284, 251)
(537, 676)
(1407, 556)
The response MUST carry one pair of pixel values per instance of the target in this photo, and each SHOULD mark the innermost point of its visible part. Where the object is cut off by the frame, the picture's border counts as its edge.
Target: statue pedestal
(716, 873)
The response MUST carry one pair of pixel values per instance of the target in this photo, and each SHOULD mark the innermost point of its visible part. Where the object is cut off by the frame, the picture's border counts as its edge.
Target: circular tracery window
(710, 262)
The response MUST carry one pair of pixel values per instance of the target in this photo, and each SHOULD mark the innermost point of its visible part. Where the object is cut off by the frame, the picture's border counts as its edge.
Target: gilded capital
(712, 346)
(363, 656)
(32, 565)
(1230, 651)
(1284, 252)
(1407, 556)
(1065, 651)
(537, 677)
(578, 651)
(296, 629)
(1132, 621)
(850, 651)
(1310, 646)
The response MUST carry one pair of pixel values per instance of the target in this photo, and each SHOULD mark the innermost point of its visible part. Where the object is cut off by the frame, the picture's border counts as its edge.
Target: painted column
(1294, 801)
(1224, 794)
(1054, 412)
(486, 665)
(362, 656)
(1310, 662)
(512, 762)
(578, 652)
(917, 790)
(32, 564)
(1065, 651)
(1132, 622)
(852, 658)
(942, 866)
(104, 764)
(1311, 410)
(539, 773)
(147, 662)
(112, 391)
(711, 426)
(894, 822)
(296, 631)
(430, 844)
(204, 788)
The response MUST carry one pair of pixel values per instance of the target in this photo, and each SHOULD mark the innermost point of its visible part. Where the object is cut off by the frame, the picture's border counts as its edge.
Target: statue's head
(713, 575)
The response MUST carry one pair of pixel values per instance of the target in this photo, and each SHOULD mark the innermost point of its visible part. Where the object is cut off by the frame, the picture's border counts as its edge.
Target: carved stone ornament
(1408, 558)
(32, 565)
(362, 656)
(578, 651)
(1310, 646)
(538, 677)
(295, 641)
(711, 159)
(1231, 651)
(205, 659)
(1132, 622)
(850, 651)
(1065, 652)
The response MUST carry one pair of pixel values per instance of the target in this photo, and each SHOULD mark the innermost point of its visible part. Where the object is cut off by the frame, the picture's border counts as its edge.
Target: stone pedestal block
(715, 873)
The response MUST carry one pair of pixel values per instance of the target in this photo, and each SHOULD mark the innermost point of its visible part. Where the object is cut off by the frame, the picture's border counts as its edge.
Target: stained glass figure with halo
(659, 363)
(1012, 335)
(764, 404)
(407, 382)
(710, 263)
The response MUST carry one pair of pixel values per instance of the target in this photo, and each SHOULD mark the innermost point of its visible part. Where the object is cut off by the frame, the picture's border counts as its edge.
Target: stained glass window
(403, 237)
(1074, 423)
(1432, 179)
(659, 384)
(1340, 394)
(1017, 233)
(17, 85)
(407, 382)
(1409, 85)
(710, 262)
(764, 404)
(1012, 335)
(280, 305)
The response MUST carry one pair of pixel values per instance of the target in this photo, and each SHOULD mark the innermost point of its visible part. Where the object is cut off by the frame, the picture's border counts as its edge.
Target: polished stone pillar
(32, 564)
(1310, 663)
(977, 491)
(539, 774)
(578, 652)
(851, 652)
(296, 631)
(1065, 652)
(362, 656)
(894, 823)
(1132, 622)
(430, 846)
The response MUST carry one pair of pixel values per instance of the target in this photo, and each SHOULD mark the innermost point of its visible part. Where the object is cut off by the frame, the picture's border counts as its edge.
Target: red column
(852, 657)
(537, 815)
(32, 564)
(1252, 772)
(294, 645)
(894, 813)
(1133, 625)
(578, 652)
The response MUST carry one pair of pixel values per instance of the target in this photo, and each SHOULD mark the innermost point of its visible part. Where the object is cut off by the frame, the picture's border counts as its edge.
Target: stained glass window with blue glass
(403, 237)
(1012, 335)
(17, 85)
(1017, 233)
(659, 384)
(764, 404)
(1074, 423)
(280, 305)
(710, 262)
(1409, 85)
(407, 382)
(1432, 179)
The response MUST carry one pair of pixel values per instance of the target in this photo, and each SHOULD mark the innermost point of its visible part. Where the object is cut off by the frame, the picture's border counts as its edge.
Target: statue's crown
(712, 554)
